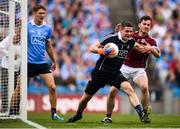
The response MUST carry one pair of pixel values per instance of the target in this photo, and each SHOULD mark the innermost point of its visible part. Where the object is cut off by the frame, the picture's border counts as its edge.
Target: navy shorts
(36, 69)
(99, 78)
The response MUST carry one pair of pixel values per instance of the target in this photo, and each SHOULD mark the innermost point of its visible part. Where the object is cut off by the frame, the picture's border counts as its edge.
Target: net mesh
(9, 102)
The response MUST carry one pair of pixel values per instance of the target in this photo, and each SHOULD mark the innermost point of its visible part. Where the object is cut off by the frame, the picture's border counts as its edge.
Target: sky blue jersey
(37, 39)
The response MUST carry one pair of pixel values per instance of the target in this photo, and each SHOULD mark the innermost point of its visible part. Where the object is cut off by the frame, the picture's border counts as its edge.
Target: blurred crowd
(76, 25)
(166, 31)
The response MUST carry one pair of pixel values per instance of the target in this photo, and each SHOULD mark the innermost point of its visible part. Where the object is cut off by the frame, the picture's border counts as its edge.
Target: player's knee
(52, 89)
(129, 90)
(144, 89)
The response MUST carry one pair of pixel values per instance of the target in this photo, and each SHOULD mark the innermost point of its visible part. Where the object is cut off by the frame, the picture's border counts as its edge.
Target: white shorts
(132, 73)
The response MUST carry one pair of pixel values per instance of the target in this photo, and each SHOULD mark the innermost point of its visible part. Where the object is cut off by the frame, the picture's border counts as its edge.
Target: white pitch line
(38, 126)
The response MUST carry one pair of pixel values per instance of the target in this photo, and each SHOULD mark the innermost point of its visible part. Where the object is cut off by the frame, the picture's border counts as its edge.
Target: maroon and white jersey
(135, 58)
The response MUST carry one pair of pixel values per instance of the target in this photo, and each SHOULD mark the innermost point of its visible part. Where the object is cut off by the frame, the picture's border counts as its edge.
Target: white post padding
(23, 109)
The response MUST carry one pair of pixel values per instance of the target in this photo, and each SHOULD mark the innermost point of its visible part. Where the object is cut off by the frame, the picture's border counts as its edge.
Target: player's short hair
(145, 18)
(37, 7)
(126, 24)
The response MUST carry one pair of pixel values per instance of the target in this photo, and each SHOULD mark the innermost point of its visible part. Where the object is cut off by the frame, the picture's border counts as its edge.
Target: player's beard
(144, 31)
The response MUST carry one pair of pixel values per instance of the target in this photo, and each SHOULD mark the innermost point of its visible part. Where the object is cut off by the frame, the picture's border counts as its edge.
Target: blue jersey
(37, 39)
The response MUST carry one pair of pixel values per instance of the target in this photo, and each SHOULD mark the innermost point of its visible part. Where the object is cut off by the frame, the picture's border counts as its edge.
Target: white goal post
(13, 59)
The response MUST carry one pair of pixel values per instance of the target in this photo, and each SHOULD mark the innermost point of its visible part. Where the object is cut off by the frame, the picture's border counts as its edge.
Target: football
(115, 50)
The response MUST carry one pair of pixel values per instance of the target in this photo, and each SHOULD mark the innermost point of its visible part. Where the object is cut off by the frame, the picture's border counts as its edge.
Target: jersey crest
(36, 39)
(122, 54)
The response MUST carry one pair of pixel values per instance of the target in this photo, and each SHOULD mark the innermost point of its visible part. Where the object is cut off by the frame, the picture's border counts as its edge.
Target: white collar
(120, 37)
(33, 23)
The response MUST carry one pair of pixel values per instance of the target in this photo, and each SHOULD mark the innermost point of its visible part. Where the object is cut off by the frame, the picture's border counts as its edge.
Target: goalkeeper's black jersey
(114, 64)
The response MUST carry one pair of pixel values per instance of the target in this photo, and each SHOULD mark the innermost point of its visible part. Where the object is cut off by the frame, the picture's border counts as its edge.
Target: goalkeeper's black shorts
(99, 78)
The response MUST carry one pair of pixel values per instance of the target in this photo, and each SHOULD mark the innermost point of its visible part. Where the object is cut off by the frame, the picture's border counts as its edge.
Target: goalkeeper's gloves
(105, 51)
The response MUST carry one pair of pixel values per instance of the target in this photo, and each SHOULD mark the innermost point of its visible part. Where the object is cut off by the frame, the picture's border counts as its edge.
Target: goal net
(13, 65)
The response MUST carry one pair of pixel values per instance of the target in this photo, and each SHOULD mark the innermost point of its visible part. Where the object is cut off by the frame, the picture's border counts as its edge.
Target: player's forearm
(155, 51)
(51, 54)
(94, 48)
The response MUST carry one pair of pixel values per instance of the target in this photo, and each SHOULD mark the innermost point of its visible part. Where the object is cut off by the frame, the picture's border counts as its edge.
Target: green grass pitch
(93, 121)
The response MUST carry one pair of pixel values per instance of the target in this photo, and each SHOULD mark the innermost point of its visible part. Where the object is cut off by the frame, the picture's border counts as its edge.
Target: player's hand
(53, 66)
(145, 48)
(105, 51)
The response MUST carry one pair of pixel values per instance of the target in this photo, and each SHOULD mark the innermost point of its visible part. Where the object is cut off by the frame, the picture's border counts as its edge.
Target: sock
(108, 115)
(138, 109)
(145, 108)
(53, 111)
(79, 113)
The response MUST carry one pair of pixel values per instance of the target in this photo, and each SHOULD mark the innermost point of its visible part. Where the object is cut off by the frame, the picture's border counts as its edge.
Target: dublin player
(39, 41)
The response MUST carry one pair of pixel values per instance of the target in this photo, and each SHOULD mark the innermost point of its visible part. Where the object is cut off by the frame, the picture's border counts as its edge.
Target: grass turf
(93, 121)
